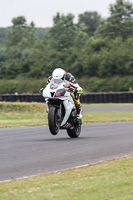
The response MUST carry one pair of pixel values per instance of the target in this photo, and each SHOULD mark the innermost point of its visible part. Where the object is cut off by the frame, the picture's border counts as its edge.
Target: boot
(79, 111)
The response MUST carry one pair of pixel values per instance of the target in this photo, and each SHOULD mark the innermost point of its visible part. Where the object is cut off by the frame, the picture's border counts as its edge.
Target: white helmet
(58, 73)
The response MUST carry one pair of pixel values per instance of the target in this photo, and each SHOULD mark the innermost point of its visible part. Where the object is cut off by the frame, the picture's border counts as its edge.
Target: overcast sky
(41, 12)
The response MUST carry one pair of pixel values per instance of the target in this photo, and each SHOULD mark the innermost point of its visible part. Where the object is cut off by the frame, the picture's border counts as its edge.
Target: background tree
(20, 34)
(120, 22)
(19, 21)
(95, 48)
(91, 20)
(63, 31)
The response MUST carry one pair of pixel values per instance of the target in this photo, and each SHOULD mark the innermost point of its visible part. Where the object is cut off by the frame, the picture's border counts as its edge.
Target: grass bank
(22, 114)
(34, 114)
(109, 180)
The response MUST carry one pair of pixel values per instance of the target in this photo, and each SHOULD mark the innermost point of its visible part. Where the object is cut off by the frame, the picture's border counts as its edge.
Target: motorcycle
(61, 109)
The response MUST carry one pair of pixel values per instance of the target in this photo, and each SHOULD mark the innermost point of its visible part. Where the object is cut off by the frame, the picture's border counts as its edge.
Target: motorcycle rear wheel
(75, 132)
(54, 123)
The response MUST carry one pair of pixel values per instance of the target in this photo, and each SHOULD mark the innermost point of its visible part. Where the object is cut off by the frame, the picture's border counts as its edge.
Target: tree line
(93, 47)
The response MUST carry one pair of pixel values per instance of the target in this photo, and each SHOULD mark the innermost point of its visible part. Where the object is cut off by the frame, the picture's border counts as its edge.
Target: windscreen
(54, 83)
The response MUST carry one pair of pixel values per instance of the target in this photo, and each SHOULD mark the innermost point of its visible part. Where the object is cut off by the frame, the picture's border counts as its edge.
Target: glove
(79, 90)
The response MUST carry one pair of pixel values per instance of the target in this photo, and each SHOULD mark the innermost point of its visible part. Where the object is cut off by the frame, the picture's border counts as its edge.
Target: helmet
(59, 73)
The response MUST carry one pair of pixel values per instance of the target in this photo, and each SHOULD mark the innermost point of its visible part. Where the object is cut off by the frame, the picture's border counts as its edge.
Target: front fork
(47, 107)
(59, 110)
(59, 114)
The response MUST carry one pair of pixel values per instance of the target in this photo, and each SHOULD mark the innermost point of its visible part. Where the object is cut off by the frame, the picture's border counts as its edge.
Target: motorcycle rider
(73, 86)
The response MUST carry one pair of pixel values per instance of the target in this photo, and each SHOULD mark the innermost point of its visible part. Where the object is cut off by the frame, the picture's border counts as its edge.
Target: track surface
(26, 151)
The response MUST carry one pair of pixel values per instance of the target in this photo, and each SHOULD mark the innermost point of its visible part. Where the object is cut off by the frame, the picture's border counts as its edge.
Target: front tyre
(75, 132)
(53, 121)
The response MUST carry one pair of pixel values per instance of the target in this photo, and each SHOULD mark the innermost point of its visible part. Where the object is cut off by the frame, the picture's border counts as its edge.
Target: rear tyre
(75, 132)
(53, 121)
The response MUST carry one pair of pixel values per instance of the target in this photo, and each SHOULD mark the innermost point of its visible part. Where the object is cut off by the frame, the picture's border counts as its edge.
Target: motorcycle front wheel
(53, 121)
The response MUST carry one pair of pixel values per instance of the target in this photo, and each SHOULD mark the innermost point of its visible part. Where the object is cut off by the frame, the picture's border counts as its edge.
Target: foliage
(21, 34)
(120, 22)
(91, 20)
(92, 84)
(21, 85)
(62, 32)
(3, 32)
(94, 47)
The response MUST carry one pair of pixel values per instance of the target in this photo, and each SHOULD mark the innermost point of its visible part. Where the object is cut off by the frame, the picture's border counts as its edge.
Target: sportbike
(61, 109)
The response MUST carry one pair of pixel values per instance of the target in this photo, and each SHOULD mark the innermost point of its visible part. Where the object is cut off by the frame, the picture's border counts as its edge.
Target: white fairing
(49, 93)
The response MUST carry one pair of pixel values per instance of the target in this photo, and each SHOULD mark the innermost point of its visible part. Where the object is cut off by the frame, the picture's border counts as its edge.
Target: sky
(41, 12)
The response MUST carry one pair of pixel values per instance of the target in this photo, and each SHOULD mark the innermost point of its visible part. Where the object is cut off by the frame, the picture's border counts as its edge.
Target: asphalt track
(27, 151)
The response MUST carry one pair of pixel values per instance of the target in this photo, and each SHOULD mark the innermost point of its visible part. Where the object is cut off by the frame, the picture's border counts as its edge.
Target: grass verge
(107, 104)
(108, 180)
(110, 116)
(34, 114)
(22, 114)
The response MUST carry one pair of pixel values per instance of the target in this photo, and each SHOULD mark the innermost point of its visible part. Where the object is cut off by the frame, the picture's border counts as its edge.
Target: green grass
(108, 180)
(22, 114)
(34, 114)
(107, 104)
(22, 107)
(13, 119)
(112, 116)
